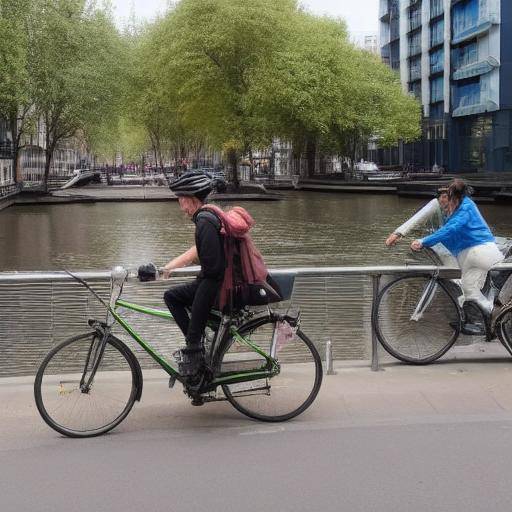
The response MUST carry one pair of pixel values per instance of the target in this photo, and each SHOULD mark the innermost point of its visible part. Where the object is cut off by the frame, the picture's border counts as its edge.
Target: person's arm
(183, 260)
(454, 224)
(420, 218)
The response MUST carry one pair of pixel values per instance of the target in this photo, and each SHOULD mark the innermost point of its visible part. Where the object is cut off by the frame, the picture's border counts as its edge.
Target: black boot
(190, 362)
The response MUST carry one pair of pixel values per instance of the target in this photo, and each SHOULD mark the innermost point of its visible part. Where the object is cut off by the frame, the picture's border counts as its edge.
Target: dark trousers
(198, 296)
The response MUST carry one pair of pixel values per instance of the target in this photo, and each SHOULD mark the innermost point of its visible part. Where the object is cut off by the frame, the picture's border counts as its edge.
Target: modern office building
(455, 57)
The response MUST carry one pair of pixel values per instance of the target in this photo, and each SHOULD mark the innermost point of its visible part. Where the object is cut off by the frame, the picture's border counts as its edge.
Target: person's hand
(393, 239)
(416, 245)
(165, 273)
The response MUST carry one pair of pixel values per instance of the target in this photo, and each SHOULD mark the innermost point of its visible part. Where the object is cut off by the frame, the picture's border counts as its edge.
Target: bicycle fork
(425, 300)
(94, 355)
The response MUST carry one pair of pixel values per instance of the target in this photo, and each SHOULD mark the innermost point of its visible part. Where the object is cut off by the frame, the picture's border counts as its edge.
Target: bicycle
(264, 364)
(418, 318)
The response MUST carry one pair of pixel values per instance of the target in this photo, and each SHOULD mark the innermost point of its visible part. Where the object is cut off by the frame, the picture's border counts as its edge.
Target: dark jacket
(210, 245)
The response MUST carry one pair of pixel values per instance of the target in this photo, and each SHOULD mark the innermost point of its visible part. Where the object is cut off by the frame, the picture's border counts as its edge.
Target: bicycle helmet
(196, 183)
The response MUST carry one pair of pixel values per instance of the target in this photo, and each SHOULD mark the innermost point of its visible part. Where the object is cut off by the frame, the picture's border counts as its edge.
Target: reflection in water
(305, 229)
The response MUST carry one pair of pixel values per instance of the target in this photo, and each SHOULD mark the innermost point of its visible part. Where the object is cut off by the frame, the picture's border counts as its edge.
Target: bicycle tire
(287, 394)
(419, 341)
(68, 410)
(503, 329)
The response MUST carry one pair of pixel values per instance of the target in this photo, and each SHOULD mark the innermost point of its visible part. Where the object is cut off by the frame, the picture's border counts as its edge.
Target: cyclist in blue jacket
(468, 237)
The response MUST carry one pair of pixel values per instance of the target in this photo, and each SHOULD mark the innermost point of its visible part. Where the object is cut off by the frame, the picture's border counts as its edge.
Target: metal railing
(40, 309)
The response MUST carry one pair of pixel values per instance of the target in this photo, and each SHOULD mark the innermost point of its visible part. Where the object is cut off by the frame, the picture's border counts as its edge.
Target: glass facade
(437, 33)
(467, 93)
(414, 18)
(415, 89)
(464, 16)
(437, 89)
(415, 69)
(436, 8)
(414, 43)
(437, 61)
(437, 111)
(465, 54)
(471, 130)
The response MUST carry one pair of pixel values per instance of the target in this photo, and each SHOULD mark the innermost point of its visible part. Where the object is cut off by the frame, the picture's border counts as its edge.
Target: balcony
(476, 69)
(477, 108)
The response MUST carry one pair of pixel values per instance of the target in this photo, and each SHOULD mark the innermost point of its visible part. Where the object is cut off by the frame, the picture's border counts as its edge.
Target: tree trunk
(251, 168)
(233, 161)
(16, 136)
(311, 156)
(50, 148)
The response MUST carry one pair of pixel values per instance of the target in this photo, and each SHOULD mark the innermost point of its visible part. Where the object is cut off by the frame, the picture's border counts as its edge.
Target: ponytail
(458, 190)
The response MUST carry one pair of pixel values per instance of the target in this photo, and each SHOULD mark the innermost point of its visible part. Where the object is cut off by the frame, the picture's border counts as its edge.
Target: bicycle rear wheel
(284, 395)
(504, 330)
(413, 334)
(60, 396)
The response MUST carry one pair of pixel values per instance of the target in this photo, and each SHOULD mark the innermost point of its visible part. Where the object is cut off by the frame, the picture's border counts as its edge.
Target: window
(465, 16)
(465, 54)
(468, 93)
(437, 89)
(437, 33)
(437, 61)
(415, 69)
(415, 89)
(414, 41)
(414, 18)
(436, 8)
(437, 110)
(394, 29)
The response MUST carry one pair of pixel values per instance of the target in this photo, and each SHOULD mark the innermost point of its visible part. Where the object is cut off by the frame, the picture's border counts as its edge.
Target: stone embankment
(102, 193)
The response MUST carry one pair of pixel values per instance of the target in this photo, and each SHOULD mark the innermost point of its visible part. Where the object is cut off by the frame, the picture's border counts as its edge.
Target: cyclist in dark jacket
(199, 296)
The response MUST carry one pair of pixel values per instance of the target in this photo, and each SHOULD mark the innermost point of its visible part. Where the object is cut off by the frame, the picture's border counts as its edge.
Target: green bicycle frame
(227, 378)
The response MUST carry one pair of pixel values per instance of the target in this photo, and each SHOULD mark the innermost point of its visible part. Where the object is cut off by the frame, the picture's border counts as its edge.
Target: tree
(212, 49)
(320, 91)
(76, 78)
(17, 18)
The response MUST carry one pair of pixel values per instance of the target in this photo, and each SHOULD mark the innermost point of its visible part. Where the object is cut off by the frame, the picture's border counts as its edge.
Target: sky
(360, 15)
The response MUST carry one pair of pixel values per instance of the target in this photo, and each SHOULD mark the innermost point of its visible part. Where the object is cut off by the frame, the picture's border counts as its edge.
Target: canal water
(305, 229)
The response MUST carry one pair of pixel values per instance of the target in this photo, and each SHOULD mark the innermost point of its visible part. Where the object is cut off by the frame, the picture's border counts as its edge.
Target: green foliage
(229, 74)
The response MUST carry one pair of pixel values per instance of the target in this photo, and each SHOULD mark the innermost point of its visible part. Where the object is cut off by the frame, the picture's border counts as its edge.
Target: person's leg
(475, 265)
(204, 299)
(178, 299)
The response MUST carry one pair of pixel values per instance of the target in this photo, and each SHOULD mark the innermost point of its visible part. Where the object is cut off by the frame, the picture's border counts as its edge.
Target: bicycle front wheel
(284, 395)
(73, 409)
(416, 320)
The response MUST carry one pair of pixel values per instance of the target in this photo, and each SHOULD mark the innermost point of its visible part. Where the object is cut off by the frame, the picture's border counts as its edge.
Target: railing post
(328, 358)
(375, 342)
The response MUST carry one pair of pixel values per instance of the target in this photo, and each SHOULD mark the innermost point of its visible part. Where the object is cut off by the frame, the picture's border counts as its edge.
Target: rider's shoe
(197, 401)
(190, 362)
(471, 329)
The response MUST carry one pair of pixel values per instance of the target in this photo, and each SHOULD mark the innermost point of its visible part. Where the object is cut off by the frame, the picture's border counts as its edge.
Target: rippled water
(305, 229)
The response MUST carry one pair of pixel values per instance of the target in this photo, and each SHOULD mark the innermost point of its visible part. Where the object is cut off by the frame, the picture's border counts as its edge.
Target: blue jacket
(465, 228)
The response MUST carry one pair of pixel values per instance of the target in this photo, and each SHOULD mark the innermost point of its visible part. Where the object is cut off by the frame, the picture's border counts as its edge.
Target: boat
(82, 177)
(369, 171)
